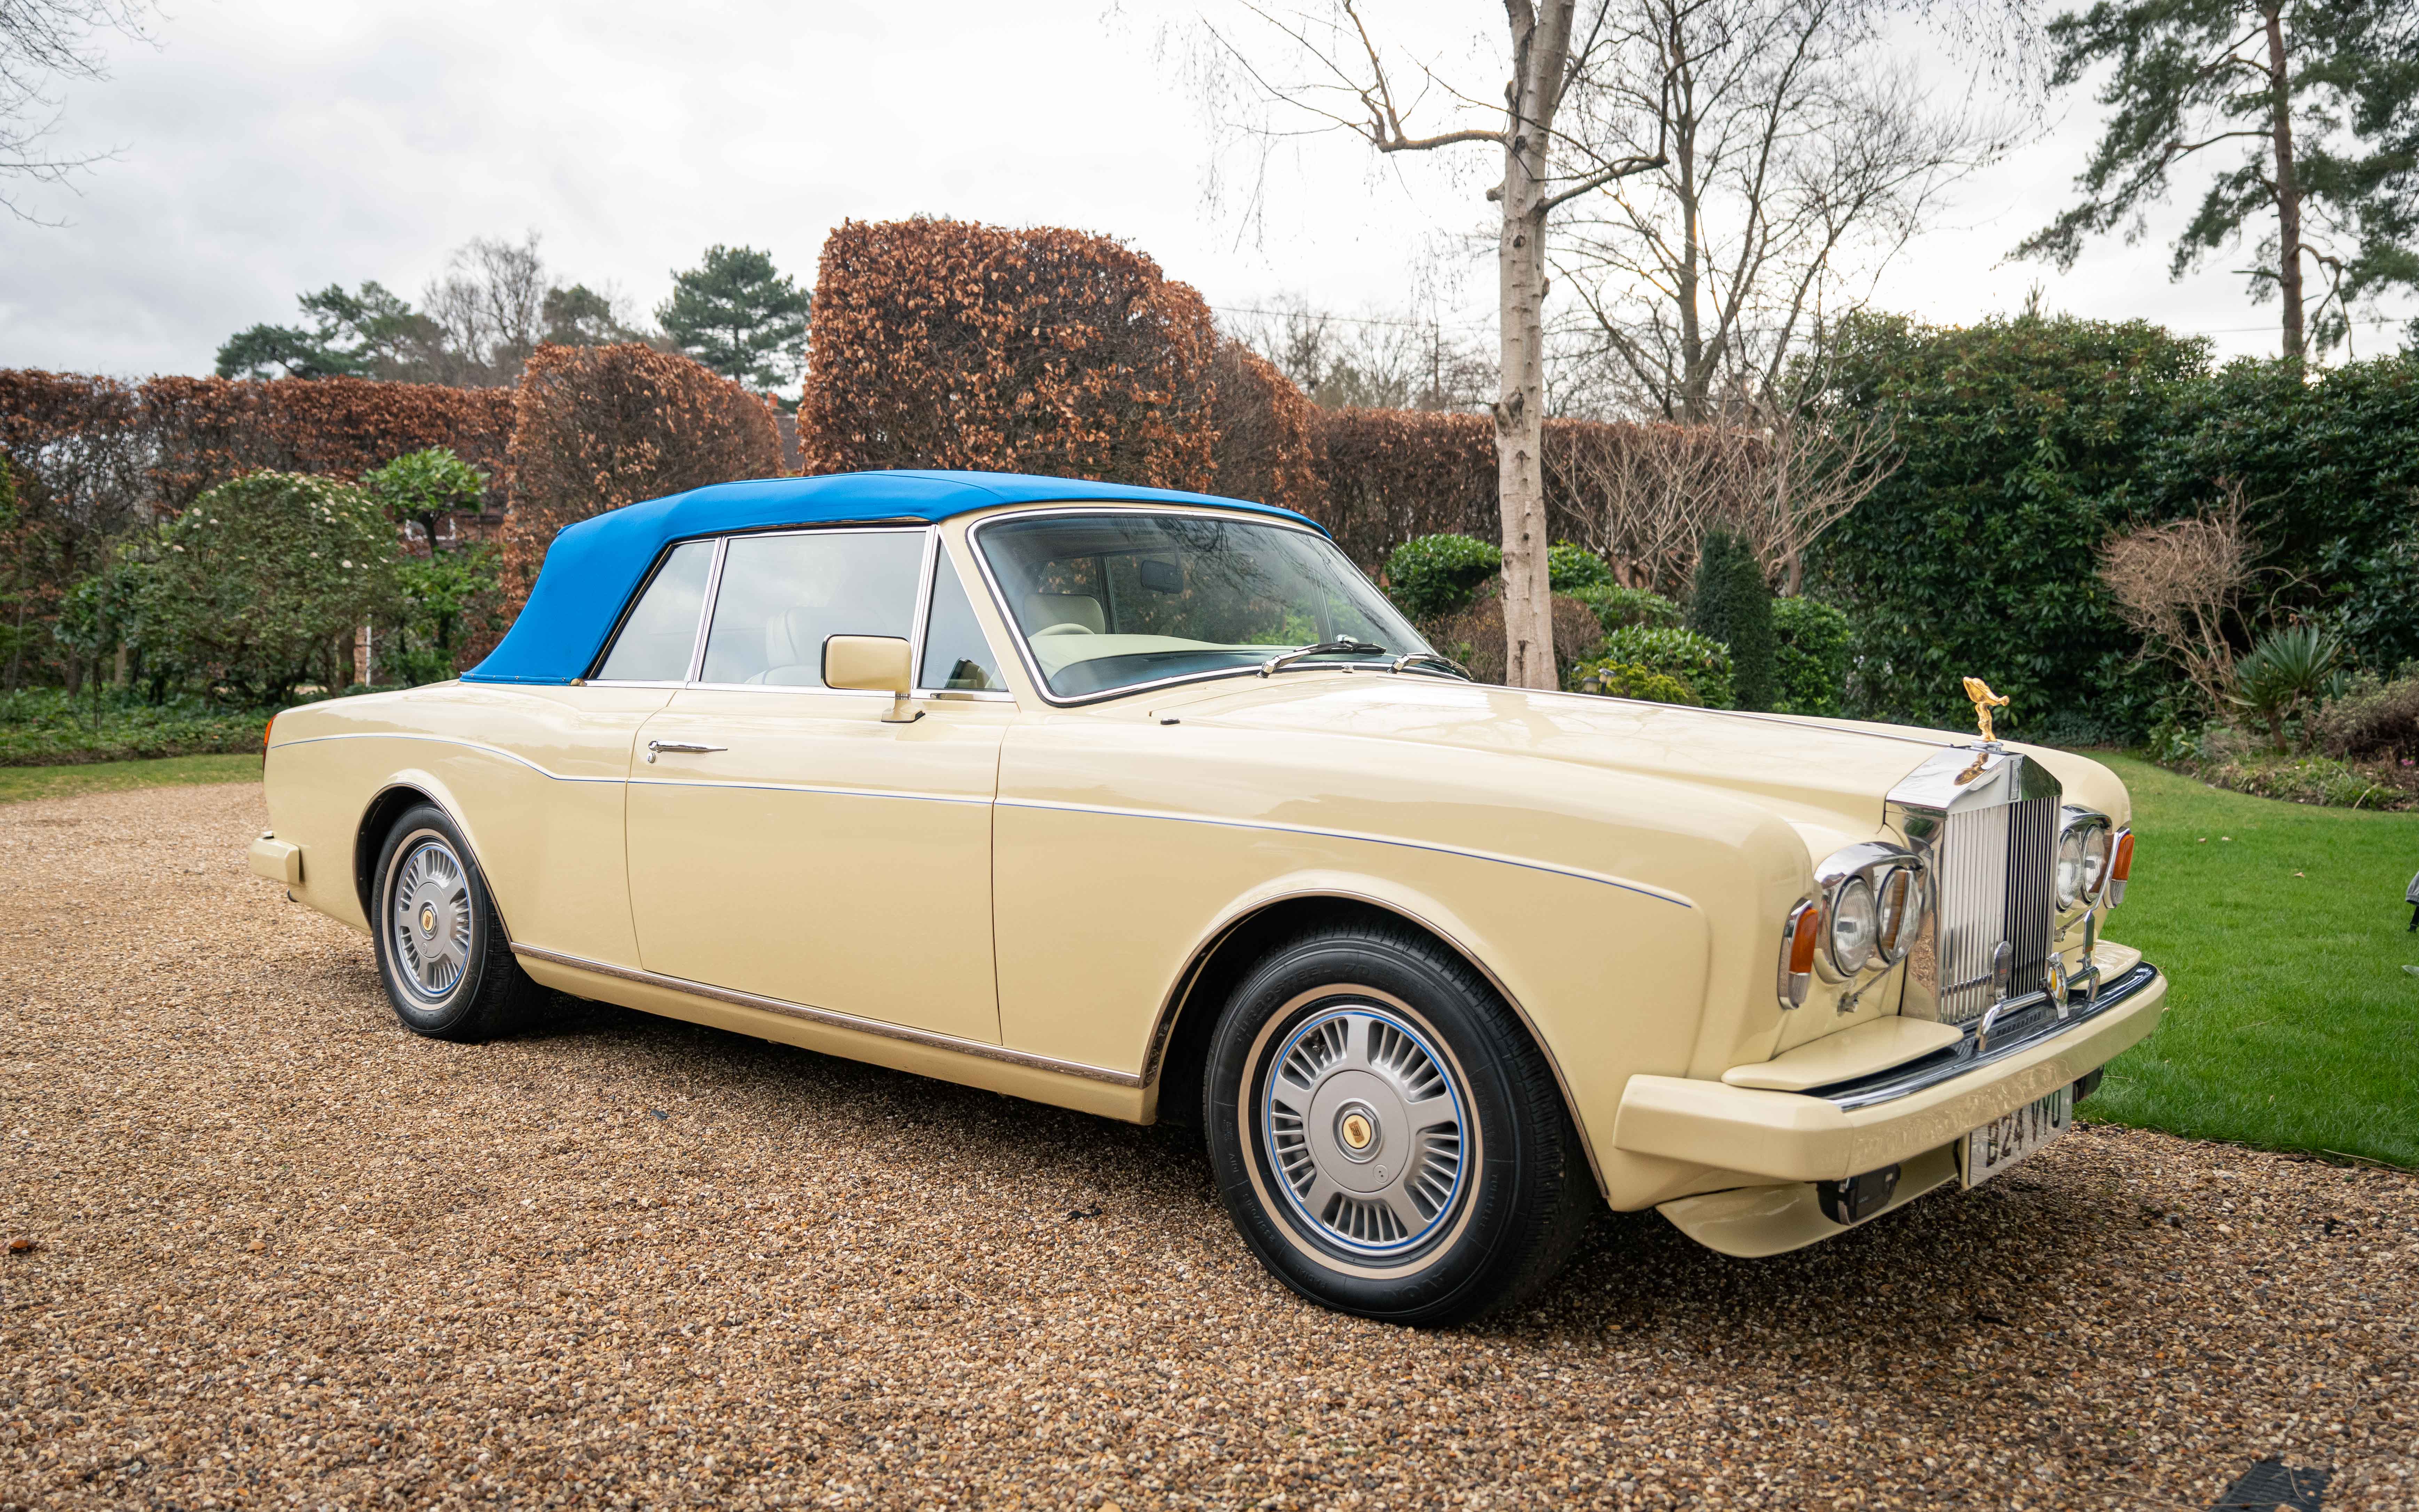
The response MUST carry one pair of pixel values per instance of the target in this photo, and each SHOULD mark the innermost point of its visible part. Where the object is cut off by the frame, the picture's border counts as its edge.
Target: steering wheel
(1063, 627)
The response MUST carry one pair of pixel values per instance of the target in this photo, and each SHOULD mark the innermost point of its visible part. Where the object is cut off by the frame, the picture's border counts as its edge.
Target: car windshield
(1113, 601)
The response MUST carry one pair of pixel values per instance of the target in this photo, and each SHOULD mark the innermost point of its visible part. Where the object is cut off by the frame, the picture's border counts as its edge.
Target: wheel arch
(390, 803)
(1174, 1066)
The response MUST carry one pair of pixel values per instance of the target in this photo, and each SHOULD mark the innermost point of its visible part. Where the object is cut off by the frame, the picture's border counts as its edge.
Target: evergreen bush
(1439, 574)
(1615, 606)
(1574, 568)
(1811, 657)
(1702, 664)
(1732, 605)
(260, 586)
(1628, 680)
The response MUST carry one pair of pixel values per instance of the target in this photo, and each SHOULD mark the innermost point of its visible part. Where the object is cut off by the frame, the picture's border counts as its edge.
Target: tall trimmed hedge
(95, 457)
(952, 344)
(597, 427)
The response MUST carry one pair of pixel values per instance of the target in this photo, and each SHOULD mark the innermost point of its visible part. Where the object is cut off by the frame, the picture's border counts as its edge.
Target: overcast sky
(268, 147)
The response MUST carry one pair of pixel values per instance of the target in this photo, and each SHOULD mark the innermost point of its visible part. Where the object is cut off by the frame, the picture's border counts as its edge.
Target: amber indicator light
(1805, 927)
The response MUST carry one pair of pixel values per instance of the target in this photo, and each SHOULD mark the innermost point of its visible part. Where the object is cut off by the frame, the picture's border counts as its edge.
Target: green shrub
(1628, 680)
(1439, 574)
(423, 487)
(1810, 662)
(48, 726)
(2287, 668)
(2372, 719)
(1615, 606)
(1700, 664)
(442, 598)
(260, 585)
(1574, 568)
(2316, 779)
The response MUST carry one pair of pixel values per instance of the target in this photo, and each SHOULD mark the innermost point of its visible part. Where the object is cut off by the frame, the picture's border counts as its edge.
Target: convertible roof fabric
(593, 566)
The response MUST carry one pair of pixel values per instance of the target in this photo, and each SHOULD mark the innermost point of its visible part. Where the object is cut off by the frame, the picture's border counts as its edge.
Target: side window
(657, 639)
(957, 659)
(783, 596)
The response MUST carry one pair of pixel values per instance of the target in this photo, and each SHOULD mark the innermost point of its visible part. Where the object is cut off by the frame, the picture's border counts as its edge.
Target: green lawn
(108, 777)
(2290, 1023)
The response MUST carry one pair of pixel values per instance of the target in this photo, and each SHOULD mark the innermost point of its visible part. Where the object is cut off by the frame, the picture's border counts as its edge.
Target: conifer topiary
(1732, 605)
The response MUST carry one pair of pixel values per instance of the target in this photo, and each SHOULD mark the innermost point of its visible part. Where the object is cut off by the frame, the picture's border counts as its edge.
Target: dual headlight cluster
(2086, 852)
(1875, 901)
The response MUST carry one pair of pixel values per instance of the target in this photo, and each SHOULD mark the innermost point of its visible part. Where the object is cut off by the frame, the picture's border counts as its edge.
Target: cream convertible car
(1148, 804)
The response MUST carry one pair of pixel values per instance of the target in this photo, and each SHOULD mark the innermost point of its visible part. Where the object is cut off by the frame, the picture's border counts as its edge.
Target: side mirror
(873, 664)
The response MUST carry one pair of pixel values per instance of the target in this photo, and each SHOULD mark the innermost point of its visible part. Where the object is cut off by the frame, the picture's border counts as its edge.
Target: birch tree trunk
(1541, 52)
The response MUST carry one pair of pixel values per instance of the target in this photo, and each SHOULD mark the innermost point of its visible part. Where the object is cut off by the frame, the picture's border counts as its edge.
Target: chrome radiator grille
(1992, 872)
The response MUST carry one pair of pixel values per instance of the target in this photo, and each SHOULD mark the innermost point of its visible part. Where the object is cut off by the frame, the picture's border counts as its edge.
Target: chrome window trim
(1016, 632)
(705, 616)
(939, 558)
(922, 616)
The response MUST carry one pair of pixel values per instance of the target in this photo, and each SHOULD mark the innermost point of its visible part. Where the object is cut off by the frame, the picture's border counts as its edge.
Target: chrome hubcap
(431, 921)
(1365, 1129)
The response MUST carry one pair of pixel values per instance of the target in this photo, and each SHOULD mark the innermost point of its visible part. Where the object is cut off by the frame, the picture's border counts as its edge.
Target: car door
(784, 838)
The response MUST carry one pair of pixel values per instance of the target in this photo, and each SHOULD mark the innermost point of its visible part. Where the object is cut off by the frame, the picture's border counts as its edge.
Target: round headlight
(2096, 843)
(2070, 868)
(1899, 911)
(1855, 924)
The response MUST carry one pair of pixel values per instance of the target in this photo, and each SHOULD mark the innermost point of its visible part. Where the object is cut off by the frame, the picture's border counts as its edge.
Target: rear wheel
(1385, 1133)
(448, 969)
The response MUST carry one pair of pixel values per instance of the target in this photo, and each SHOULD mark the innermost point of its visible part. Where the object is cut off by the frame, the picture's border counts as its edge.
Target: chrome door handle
(655, 746)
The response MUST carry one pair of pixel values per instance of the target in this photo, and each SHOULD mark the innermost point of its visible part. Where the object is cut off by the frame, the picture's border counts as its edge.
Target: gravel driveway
(283, 1253)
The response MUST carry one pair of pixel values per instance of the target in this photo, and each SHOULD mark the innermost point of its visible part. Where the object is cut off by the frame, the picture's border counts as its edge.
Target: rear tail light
(1800, 933)
(265, 732)
(2120, 866)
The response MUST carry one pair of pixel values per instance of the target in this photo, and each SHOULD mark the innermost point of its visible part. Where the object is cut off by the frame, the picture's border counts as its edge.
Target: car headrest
(1042, 611)
(794, 636)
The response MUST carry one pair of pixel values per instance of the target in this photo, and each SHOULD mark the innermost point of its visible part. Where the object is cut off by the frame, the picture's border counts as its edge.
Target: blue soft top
(593, 566)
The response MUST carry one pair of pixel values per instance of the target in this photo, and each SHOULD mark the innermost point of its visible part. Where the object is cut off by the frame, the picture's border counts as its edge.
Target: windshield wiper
(1283, 660)
(1446, 662)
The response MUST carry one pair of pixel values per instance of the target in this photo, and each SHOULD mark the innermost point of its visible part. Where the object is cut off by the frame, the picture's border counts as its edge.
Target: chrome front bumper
(2015, 1032)
(1835, 1132)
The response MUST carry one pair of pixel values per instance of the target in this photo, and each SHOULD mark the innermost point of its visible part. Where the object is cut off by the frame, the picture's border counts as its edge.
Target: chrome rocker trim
(2025, 1024)
(838, 1021)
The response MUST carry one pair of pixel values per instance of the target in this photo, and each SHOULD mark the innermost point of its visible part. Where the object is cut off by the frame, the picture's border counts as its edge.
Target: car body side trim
(834, 1020)
(2014, 1035)
(1573, 873)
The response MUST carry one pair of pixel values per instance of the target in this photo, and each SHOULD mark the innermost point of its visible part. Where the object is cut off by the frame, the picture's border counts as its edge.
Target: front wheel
(448, 969)
(1385, 1133)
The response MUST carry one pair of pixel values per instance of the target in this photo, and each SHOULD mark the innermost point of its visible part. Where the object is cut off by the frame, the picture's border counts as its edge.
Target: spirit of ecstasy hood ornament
(1984, 701)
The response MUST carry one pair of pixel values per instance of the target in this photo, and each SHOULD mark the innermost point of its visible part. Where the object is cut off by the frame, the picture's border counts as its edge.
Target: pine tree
(1732, 605)
(740, 317)
(2324, 97)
